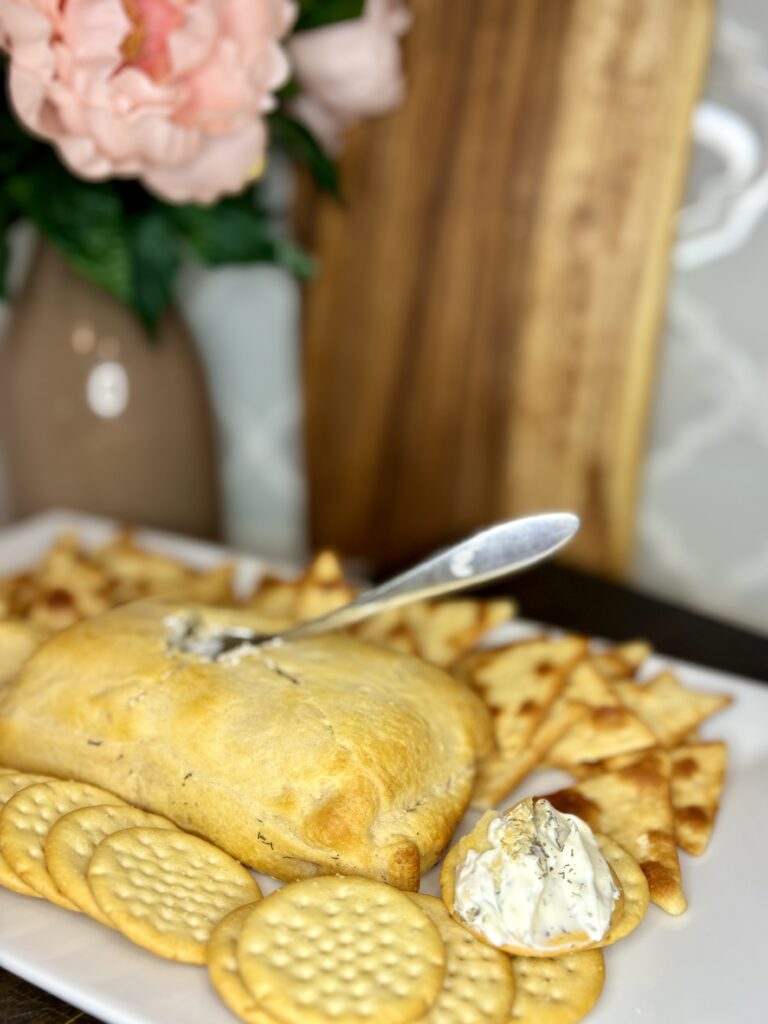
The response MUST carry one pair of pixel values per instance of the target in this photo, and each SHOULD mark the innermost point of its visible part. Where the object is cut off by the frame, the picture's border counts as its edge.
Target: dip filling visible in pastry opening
(188, 634)
(543, 878)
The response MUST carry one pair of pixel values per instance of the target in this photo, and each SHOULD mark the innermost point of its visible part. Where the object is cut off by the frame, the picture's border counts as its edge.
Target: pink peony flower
(169, 91)
(350, 70)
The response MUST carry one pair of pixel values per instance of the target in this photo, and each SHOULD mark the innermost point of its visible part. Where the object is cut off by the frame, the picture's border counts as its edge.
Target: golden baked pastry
(18, 641)
(317, 756)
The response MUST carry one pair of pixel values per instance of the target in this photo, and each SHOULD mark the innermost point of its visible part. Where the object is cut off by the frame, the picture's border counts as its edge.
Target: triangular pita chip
(606, 729)
(493, 671)
(610, 764)
(668, 708)
(498, 775)
(275, 599)
(388, 629)
(72, 582)
(621, 661)
(320, 589)
(323, 588)
(697, 774)
(133, 572)
(609, 665)
(632, 805)
(438, 631)
(698, 771)
(633, 653)
(519, 683)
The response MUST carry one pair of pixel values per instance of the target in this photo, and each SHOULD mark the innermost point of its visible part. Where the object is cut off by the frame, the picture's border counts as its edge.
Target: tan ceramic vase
(96, 418)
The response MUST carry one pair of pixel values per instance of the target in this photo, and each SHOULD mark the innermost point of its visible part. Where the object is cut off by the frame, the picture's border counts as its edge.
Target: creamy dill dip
(544, 878)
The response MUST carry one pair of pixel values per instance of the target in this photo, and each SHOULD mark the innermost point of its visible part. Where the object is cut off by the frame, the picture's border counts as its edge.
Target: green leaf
(289, 91)
(4, 258)
(123, 238)
(229, 232)
(316, 13)
(236, 231)
(16, 146)
(4, 255)
(155, 261)
(292, 136)
(7, 217)
(293, 258)
(83, 220)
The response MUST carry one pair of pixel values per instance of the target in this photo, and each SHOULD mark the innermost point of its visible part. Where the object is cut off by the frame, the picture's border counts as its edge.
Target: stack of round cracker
(351, 951)
(339, 950)
(329, 949)
(86, 850)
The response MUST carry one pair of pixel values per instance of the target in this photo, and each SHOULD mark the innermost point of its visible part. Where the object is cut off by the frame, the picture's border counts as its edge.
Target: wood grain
(22, 1003)
(481, 339)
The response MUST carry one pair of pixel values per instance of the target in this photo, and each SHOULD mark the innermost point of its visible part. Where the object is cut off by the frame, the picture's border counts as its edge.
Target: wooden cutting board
(481, 339)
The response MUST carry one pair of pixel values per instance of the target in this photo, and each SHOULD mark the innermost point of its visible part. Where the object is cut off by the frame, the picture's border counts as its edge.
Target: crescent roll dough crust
(316, 756)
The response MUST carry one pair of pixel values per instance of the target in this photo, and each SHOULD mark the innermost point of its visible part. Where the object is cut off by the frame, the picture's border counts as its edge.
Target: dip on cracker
(534, 881)
(542, 878)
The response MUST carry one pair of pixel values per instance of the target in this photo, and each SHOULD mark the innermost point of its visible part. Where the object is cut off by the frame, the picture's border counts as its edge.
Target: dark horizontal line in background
(573, 600)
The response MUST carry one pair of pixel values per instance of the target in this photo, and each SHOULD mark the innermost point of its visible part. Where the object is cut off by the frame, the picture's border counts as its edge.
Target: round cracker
(224, 971)
(24, 824)
(166, 890)
(556, 990)
(634, 888)
(343, 949)
(628, 913)
(10, 784)
(71, 843)
(478, 987)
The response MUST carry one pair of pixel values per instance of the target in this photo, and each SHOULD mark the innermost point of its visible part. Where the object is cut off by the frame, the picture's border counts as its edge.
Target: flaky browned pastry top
(322, 755)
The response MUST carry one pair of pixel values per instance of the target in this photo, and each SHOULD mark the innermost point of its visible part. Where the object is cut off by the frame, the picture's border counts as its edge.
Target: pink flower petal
(350, 70)
(171, 91)
(222, 167)
(91, 30)
(190, 44)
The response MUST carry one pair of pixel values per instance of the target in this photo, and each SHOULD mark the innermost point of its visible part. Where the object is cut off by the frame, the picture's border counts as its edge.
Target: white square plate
(704, 967)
